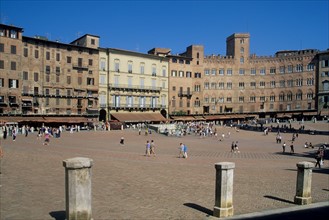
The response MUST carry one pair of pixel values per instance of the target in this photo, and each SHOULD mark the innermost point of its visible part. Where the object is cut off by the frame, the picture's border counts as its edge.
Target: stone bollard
(78, 188)
(303, 186)
(224, 190)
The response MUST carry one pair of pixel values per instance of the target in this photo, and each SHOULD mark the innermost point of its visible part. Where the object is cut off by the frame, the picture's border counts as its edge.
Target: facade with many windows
(47, 78)
(244, 84)
(323, 83)
(133, 84)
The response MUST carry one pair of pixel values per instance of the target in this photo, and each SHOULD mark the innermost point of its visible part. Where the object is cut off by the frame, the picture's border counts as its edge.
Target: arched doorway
(102, 115)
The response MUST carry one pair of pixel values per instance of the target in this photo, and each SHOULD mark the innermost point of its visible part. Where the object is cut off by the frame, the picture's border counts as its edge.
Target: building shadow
(278, 199)
(58, 215)
(199, 208)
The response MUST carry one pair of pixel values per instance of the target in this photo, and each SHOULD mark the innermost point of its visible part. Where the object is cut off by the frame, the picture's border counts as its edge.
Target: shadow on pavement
(279, 199)
(58, 215)
(199, 208)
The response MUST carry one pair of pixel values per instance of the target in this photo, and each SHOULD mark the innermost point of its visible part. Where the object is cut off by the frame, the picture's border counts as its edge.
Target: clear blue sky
(143, 25)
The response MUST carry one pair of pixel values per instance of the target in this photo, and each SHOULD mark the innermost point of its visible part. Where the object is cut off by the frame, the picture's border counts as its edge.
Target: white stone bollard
(224, 190)
(78, 188)
(304, 182)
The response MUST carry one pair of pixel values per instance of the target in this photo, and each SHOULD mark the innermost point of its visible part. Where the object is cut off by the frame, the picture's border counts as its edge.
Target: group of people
(150, 148)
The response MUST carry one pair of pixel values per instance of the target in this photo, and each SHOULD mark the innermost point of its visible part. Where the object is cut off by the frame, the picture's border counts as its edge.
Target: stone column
(78, 188)
(224, 190)
(303, 186)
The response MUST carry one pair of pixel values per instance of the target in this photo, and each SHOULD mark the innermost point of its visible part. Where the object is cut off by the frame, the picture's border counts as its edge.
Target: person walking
(181, 150)
(14, 134)
(152, 151)
(185, 151)
(47, 138)
(236, 147)
(284, 147)
(318, 158)
(122, 141)
(232, 147)
(292, 150)
(148, 147)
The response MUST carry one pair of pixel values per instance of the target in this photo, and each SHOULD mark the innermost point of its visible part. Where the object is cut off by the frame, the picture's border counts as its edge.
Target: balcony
(186, 94)
(77, 66)
(130, 107)
(134, 88)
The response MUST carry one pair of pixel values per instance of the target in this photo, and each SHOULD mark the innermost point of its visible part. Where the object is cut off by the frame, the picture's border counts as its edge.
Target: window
(130, 66)
(25, 75)
(142, 68)
(272, 84)
(262, 99)
(58, 70)
(299, 82)
(36, 54)
(2, 47)
(188, 74)
(262, 71)
(299, 68)
(174, 73)
(13, 49)
(13, 83)
(290, 67)
(80, 62)
(290, 83)
(253, 84)
(282, 83)
(221, 72)
(299, 96)
(289, 97)
(90, 81)
(281, 97)
(26, 52)
(241, 99)
(181, 61)
(272, 98)
(13, 34)
(154, 70)
(206, 85)
(252, 99)
(241, 60)
(241, 71)
(325, 63)
(47, 55)
(310, 81)
(213, 72)
(253, 71)
(102, 64)
(47, 69)
(213, 85)
(36, 77)
(229, 72)
(92, 41)
(221, 85)
(221, 99)
(262, 84)
(242, 50)
(90, 62)
(206, 72)
(174, 88)
(310, 67)
(174, 60)
(164, 71)
(13, 65)
(272, 70)
(197, 75)
(282, 69)
(117, 66)
(197, 88)
(229, 85)
(181, 74)
(241, 85)
(69, 59)
(58, 57)
(2, 64)
(68, 80)
(309, 95)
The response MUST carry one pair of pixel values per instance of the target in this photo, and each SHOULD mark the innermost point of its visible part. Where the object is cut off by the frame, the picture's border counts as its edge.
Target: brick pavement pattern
(128, 185)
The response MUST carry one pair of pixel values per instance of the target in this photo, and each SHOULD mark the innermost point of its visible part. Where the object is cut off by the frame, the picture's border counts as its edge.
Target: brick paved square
(128, 185)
